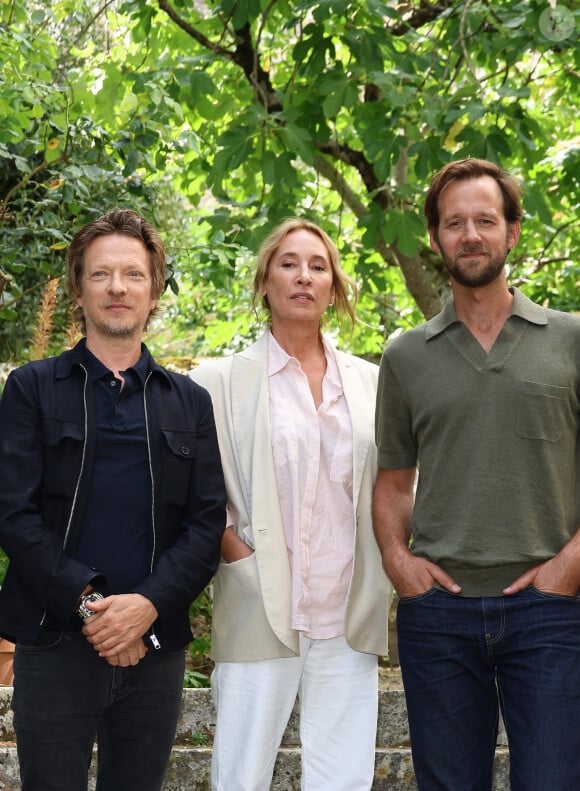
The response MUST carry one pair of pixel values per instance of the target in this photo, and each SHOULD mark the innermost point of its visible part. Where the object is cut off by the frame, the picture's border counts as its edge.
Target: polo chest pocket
(544, 411)
(179, 453)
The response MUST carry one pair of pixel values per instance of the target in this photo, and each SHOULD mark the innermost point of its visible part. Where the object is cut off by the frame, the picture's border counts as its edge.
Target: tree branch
(413, 18)
(84, 30)
(247, 56)
(6, 200)
(244, 55)
(416, 275)
(357, 160)
(195, 34)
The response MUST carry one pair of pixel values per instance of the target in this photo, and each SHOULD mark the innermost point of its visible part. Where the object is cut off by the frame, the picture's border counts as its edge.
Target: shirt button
(113, 383)
(184, 450)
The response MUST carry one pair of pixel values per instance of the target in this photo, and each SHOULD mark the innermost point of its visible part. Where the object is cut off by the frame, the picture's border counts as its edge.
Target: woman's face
(299, 282)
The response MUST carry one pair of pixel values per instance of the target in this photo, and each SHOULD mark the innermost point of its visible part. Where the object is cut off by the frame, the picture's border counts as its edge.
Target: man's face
(116, 293)
(473, 237)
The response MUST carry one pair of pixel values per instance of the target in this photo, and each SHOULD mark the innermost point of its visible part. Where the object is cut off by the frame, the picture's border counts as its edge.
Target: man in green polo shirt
(484, 399)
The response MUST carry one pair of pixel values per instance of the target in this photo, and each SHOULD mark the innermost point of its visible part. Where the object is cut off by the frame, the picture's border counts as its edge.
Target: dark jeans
(65, 695)
(462, 659)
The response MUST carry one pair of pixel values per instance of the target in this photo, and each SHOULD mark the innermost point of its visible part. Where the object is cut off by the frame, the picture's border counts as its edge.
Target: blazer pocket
(237, 596)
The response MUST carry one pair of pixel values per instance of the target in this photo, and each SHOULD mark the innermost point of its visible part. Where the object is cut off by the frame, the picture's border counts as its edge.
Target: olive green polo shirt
(495, 437)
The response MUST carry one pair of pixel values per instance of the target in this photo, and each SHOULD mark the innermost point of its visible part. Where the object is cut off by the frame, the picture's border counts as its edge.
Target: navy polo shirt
(115, 537)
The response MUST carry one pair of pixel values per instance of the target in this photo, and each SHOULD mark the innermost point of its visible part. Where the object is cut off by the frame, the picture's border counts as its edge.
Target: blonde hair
(344, 285)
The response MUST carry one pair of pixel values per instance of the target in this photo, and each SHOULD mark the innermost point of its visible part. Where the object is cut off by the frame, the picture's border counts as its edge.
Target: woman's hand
(233, 548)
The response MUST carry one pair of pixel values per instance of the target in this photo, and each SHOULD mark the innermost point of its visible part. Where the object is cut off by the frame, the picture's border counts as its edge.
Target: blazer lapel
(251, 418)
(362, 422)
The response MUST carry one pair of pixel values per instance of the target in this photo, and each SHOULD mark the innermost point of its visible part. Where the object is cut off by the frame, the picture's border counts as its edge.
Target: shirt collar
(278, 359)
(97, 370)
(522, 307)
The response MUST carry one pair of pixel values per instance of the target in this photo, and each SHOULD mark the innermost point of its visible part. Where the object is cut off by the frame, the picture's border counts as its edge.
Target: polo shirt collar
(98, 370)
(522, 307)
(526, 309)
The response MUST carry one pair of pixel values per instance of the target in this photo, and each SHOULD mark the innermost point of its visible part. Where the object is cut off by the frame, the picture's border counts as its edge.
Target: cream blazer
(252, 596)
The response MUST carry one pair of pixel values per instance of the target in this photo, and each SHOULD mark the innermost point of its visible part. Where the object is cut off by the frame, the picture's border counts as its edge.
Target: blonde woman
(301, 599)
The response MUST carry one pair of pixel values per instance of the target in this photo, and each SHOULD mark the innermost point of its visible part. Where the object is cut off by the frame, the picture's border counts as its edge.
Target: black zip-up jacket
(47, 441)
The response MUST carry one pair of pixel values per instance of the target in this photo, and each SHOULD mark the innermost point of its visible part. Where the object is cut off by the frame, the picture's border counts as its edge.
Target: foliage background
(218, 118)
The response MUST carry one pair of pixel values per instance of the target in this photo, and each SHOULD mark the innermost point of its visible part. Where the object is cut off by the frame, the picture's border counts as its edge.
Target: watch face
(557, 23)
(82, 609)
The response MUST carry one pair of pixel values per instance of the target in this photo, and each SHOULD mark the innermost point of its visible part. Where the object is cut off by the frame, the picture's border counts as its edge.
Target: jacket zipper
(152, 636)
(80, 475)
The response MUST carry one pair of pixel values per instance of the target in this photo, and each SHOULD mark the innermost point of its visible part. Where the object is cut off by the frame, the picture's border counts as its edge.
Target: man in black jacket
(112, 509)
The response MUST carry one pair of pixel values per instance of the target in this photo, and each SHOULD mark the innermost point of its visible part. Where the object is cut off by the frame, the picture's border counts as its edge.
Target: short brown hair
(463, 169)
(117, 221)
(344, 285)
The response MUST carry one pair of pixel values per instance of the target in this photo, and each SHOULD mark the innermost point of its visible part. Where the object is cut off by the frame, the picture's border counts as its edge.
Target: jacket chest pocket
(62, 447)
(179, 448)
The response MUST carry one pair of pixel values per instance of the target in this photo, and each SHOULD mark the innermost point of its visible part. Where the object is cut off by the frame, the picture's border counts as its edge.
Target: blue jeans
(463, 660)
(65, 695)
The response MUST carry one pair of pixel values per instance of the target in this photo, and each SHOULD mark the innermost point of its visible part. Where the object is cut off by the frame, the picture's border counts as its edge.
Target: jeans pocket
(556, 596)
(419, 597)
(44, 641)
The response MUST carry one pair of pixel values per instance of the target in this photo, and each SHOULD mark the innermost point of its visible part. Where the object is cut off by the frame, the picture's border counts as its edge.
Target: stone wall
(190, 761)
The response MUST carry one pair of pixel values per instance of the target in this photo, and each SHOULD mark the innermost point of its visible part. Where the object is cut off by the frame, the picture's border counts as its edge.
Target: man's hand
(118, 624)
(412, 576)
(132, 656)
(559, 575)
(392, 514)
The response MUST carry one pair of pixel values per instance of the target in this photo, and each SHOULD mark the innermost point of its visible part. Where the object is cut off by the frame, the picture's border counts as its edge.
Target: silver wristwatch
(82, 610)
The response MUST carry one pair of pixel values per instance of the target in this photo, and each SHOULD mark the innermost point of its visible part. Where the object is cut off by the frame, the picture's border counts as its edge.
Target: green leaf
(223, 115)
(299, 140)
(535, 203)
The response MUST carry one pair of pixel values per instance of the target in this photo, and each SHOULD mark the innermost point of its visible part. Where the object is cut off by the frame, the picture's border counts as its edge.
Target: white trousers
(338, 693)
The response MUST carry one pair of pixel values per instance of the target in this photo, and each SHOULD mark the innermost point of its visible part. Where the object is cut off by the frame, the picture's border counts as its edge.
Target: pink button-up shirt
(313, 459)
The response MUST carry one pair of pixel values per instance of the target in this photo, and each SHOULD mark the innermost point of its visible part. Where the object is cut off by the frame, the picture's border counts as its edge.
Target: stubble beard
(109, 330)
(475, 276)
(119, 332)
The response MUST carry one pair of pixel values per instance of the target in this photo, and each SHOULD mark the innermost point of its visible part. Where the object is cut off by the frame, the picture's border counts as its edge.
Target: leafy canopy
(217, 119)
